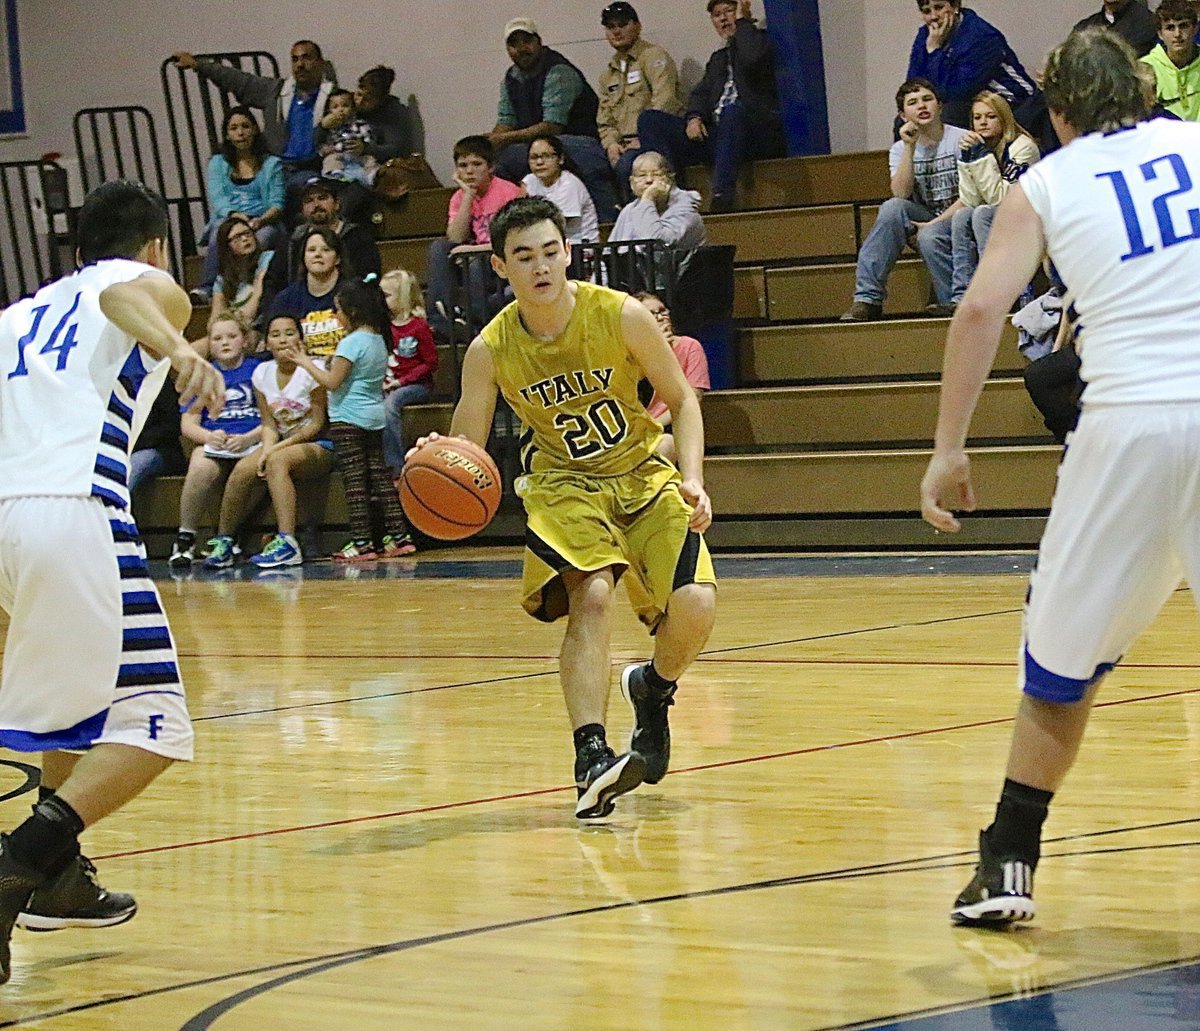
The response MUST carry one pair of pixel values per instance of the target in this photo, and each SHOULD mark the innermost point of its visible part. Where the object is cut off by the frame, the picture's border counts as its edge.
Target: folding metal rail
(121, 142)
(195, 110)
(36, 230)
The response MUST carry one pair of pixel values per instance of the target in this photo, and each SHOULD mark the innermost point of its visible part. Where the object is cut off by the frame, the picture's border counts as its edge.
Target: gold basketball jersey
(576, 395)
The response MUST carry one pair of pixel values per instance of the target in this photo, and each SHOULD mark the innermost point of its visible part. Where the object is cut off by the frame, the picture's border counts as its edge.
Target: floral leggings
(367, 482)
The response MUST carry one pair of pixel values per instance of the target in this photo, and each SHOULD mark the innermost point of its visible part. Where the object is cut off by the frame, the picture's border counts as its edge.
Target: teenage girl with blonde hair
(993, 155)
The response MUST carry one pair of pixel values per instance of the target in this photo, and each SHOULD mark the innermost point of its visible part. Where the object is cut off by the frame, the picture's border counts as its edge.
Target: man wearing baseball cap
(543, 92)
(639, 76)
(320, 206)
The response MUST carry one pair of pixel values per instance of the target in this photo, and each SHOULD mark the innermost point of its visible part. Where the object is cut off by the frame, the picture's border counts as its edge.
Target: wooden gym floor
(377, 832)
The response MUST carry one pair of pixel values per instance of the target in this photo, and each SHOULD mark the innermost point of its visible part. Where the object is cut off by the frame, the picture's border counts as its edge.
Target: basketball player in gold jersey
(567, 356)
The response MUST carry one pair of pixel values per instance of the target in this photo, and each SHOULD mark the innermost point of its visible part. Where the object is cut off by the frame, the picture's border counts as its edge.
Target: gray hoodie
(679, 225)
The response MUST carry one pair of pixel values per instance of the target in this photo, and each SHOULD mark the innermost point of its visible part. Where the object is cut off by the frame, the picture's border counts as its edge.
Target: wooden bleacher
(823, 442)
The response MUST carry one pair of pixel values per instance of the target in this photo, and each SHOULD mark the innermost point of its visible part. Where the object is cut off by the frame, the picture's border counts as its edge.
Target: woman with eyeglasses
(241, 270)
(550, 177)
(689, 352)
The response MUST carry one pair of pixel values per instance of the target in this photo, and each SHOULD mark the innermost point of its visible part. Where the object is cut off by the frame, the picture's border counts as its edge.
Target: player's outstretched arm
(477, 405)
(1013, 252)
(647, 344)
(153, 309)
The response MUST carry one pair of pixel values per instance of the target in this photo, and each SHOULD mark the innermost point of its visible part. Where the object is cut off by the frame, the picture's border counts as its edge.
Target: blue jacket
(974, 58)
(263, 192)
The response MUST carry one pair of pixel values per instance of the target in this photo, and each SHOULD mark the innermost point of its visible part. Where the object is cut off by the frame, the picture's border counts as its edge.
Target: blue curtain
(795, 28)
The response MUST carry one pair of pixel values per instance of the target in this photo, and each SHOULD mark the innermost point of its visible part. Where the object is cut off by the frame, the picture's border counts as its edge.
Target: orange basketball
(450, 488)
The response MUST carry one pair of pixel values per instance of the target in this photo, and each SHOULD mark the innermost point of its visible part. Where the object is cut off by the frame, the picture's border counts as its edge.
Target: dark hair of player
(521, 214)
(1092, 81)
(118, 219)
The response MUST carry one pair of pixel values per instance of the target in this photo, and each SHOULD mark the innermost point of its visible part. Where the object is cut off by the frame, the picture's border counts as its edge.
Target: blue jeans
(589, 158)
(394, 444)
(149, 463)
(728, 146)
(485, 290)
(886, 242)
(970, 229)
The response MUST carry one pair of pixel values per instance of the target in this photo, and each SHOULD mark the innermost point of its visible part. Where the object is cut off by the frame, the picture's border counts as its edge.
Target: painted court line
(541, 792)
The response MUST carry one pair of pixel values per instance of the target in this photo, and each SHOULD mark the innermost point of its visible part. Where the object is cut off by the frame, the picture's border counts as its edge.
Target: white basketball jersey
(1121, 213)
(74, 389)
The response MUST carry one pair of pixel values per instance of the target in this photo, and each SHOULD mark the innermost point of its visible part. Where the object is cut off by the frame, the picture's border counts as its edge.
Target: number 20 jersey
(74, 389)
(1121, 216)
(577, 394)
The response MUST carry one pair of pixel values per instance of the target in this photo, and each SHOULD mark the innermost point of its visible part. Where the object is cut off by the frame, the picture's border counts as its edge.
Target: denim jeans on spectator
(729, 145)
(623, 169)
(886, 242)
(485, 290)
(969, 232)
(394, 443)
(270, 238)
(149, 463)
(590, 159)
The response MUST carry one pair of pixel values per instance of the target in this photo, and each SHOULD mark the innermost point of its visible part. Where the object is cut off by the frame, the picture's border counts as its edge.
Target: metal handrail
(124, 145)
(36, 227)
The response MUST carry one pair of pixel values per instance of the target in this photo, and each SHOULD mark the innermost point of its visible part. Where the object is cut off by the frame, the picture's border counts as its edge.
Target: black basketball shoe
(1000, 893)
(601, 776)
(17, 883)
(651, 732)
(75, 898)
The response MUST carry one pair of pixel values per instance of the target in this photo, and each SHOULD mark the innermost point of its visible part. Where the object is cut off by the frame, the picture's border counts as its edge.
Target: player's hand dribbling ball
(449, 487)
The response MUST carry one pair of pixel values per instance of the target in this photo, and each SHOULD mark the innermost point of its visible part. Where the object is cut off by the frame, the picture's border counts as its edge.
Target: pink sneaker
(355, 551)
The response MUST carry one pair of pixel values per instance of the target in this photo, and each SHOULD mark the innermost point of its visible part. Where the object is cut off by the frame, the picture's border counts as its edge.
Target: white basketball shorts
(1123, 531)
(89, 657)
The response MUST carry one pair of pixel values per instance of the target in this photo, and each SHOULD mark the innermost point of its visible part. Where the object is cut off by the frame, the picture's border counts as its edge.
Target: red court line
(924, 662)
(725, 763)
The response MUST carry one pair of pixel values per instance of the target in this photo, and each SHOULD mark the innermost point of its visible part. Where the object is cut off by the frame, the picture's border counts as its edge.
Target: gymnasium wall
(449, 52)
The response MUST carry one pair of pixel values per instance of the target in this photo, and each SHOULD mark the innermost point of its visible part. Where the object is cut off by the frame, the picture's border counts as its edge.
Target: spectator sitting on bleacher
(243, 178)
(412, 360)
(157, 451)
(295, 439)
(390, 121)
(291, 107)
(551, 180)
(480, 194)
(221, 441)
(241, 273)
(342, 141)
(320, 207)
(992, 156)
(1129, 19)
(924, 167)
(961, 54)
(692, 359)
(1176, 60)
(543, 92)
(732, 114)
(312, 295)
(639, 76)
(661, 210)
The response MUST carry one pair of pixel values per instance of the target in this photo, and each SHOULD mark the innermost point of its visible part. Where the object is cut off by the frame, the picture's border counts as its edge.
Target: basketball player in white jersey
(1118, 209)
(89, 662)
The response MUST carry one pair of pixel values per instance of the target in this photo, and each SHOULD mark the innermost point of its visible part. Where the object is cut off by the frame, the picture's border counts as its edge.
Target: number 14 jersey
(74, 389)
(577, 394)
(1121, 216)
